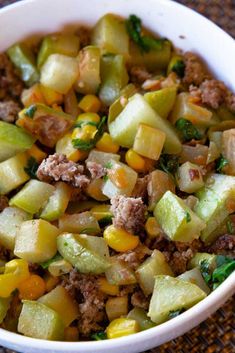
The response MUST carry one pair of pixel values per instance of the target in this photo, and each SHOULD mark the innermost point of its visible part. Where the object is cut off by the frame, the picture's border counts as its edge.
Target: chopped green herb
(84, 123)
(32, 167)
(169, 163)
(108, 165)
(220, 164)
(188, 217)
(87, 145)
(187, 130)
(205, 270)
(46, 264)
(31, 111)
(174, 313)
(105, 177)
(229, 225)
(105, 221)
(99, 336)
(134, 29)
(179, 68)
(220, 274)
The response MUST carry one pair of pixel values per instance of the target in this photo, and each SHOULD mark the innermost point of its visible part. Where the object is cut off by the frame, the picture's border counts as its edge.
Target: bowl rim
(190, 318)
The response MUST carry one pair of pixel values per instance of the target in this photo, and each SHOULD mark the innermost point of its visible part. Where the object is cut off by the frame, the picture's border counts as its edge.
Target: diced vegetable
(116, 307)
(121, 180)
(124, 128)
(176, 65)
(152, 227)
(122, 327)
(101, 212)
(172, 294)
(187, 130)
(46, 124)
(149, 141)
(110, 35)
(59, 267)
(153, 266)
(59, 300)
(32, 196)
(195, 154)
(119, 273)
(198, 258)
(154, 59)
(10, 220)
(90, 103)
(106, 144)
(38, 321)
(24, 60)
(89, 70)
(162, 101)
(65, 146)
(36, 153)
(184, 108)
(4, 306)
(57, 202)
(83, 222)
(119, 239)
(228, 145)
(108, 288)
(141, 317)
(86, 260)
(36, 241)
(194, 276)
(32, 95)
(135, 161)
(32, 288)
(189, 177)
(66, 44)
(159, 182)
(96, 244)
(213, 199)
(59, 72)
(12, 173)
(71, 104)
(102, 157)
(213, 152)
(114, 77)
(95, 188)
(177, 220)
(51, 96)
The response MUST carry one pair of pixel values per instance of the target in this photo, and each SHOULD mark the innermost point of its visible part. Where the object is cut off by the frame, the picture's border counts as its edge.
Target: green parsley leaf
(220, 164)
(145, 43)
(30, 111)
(32, 167)
(188, 217)
(88, 145)
(84, 123)
(229, 225)
(174, 313)
(222, 272)
(46, 264)
(99, 336)
(179, 68)
(108, 165)
(205, 271)
(169, 163)
(105, 177)
(187, 130)
(105, 221)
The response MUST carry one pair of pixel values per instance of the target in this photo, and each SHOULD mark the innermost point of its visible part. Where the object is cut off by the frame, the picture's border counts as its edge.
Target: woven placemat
(217, 333)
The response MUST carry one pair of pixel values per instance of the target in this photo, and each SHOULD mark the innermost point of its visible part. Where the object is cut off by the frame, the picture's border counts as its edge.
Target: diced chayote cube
(162, 101)
(4, 306)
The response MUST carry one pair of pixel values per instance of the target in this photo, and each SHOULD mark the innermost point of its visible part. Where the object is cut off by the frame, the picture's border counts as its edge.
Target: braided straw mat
(217, 333)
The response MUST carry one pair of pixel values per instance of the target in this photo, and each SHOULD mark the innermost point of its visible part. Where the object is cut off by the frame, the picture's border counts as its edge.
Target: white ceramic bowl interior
(188, 31)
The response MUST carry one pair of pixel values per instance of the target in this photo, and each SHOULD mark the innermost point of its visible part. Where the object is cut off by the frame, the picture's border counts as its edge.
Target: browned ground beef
(139, 300)
(3, 202)
(133, 258)
(140, 189)
(224, 245)
(85, 290)
(97, 170)
(57, 167)
(230, 101)
(194, 70)
(139, 74)
(84, 34)
(9, 111)
(211, 92)
(11, 85)
(129, 213)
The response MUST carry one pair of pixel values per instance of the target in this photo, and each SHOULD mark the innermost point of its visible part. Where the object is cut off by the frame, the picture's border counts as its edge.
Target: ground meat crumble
(139, 74)
(195, 72)
(224, 245)
(129, 213)
(9, 111)
(57, 167)
(97, 170)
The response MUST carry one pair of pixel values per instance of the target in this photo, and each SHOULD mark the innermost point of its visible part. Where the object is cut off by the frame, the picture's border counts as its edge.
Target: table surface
(216, 334)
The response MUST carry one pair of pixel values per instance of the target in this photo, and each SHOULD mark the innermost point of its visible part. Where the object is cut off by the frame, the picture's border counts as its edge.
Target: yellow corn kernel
(90, 103)
(32, 288)
(36, 153)
(85, 133)
(101, 211)
(135, 161)
(106, 287)
(118, 176)
(51, 97)
(50, 282)
(32, 95)
(152, 227)
(88, 117)
(65, 146)
(122, 327)
(106, 144)
(71, 334)
(90, 130)
(119, 239)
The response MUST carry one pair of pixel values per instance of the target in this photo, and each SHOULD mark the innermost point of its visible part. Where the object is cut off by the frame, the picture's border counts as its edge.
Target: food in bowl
(117, 182)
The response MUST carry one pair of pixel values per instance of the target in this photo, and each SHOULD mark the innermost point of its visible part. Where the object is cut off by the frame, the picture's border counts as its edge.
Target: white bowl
(173, 21)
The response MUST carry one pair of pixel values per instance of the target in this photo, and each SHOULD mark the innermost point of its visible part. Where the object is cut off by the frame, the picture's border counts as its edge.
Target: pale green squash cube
(171, 294)
(11, 219)
(189, 177)
(4, 306)
(39, 321)
(177, 220)
(12, 173)
(33, 196)
(162, 101)
(83, 222)
(195, 276)
(36, 241)
(59, 300)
